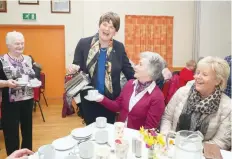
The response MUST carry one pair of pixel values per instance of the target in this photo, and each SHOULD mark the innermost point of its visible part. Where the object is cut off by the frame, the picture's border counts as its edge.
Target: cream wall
(83, 21)
(215, 29)
(73, 22)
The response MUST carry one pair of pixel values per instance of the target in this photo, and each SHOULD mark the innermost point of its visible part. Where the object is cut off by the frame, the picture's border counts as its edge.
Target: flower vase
(151, 152)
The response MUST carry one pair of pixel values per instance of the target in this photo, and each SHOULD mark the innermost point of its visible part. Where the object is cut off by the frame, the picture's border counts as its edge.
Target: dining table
(129, 134)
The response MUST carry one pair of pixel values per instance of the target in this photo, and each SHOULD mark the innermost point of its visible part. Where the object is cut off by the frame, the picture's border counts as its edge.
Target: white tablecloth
(128, 135)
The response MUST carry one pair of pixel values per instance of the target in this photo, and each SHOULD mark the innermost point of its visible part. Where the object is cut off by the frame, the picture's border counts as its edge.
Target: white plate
(81, 132)
(21, 83)
(64, 143)
(34, 85)
(92, 98)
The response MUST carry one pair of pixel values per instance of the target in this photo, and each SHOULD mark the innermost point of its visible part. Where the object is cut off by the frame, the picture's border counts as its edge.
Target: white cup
(103, 153)
(25, 77)
(92, 93)
(119, 130)
(46, 152)
(101, 136)
(86, 150)
(101, 122)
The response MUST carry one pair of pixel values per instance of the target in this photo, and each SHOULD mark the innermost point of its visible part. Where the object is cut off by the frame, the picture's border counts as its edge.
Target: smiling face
(106, 31)
(205, 80)
(17, 46)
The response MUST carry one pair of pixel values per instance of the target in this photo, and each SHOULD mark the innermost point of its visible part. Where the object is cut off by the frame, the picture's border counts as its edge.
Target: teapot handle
(169, 134)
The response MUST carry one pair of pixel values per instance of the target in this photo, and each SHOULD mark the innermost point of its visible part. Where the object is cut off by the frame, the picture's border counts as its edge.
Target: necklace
(20, 59)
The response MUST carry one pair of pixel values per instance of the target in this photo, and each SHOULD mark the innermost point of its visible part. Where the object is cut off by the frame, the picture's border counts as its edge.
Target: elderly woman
(103, 58)
(141, 102)
(203, 106)
(17, 102)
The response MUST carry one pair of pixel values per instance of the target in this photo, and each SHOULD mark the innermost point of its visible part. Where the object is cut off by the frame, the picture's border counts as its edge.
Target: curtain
(149, 33)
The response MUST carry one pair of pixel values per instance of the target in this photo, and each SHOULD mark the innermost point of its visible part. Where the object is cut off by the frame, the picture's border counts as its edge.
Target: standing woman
(103, 58)
(17, 102)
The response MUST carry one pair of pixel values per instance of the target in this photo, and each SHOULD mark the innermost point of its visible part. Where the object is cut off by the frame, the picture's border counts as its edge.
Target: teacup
(103, 153)
(86, 149)
(46, 152)
(25, 77)
(101, 136)
(92, 93)
(101, 122)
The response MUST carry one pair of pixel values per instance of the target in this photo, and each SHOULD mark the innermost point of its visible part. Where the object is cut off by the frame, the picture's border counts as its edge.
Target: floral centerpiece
(155, 142)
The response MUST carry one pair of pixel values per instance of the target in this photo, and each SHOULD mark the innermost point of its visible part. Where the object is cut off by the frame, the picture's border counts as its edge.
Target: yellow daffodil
(160, 139)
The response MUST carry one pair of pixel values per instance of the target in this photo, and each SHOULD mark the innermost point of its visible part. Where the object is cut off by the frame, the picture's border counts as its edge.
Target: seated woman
(141, 102)
(203, 106)
(186, 74)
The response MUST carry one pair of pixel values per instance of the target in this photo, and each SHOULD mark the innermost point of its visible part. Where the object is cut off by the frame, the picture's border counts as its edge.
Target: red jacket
(185, 76)
(147, 111)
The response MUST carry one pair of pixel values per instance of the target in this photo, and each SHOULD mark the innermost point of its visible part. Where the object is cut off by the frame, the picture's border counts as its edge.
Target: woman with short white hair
(141, 102)
(203, 106)
(17, 101)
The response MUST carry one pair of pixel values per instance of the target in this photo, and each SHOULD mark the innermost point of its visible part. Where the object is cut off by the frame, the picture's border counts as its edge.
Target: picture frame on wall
(60, 6)
(3, 6)
(29, 2)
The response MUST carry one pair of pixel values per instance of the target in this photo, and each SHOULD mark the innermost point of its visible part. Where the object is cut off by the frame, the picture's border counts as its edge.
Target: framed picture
(29, 2)
(3, 6)
(60, 6)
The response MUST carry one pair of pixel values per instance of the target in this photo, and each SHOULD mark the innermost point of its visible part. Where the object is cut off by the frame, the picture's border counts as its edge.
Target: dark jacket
(119, 60)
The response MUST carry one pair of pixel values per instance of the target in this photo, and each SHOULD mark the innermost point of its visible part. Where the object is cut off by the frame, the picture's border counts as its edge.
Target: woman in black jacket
(103, 58)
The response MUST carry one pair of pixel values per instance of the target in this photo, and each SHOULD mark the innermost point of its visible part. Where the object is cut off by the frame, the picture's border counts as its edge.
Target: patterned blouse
(14, 69)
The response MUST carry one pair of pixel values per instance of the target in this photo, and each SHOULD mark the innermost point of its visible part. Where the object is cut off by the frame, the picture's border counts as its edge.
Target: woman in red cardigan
(141, 102)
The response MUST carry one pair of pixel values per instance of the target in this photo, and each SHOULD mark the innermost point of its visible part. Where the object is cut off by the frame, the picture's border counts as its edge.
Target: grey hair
(155, 64)
(11, 36)
(220, 67)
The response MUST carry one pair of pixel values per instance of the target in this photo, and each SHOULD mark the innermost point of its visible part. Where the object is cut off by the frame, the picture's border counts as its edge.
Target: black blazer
(119, 61)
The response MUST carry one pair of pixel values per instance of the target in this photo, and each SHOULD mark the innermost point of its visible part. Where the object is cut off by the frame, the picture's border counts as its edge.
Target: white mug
(25, 77)
(92, 93)
(46, 152)
(101, 122)
(103, 153)
(86, 149)
(101, 136)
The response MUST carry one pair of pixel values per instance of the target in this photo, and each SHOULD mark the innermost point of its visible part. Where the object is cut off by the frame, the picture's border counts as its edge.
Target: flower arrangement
(155, 142)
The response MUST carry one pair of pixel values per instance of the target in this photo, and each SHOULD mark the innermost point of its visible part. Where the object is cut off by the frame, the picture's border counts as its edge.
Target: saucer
(92, 98)
(64, 143)
(21, 83)
(34, 85)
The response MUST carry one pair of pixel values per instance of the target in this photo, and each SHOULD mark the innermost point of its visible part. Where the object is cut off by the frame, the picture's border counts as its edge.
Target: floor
(45, 132)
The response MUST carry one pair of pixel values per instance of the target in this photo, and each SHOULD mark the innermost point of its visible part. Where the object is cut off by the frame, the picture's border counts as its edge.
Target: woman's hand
(73, 69)
(11, 83)
(20, 154)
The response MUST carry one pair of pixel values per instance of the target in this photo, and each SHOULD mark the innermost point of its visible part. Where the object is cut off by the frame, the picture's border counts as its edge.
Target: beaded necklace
(16, 59)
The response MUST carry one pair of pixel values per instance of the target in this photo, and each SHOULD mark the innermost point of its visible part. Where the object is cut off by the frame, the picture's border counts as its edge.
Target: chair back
(36, 94)
(42, 78)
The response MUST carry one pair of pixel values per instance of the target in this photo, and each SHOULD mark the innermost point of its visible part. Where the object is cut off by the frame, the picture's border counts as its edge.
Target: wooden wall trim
(32, 26)
(177, 68)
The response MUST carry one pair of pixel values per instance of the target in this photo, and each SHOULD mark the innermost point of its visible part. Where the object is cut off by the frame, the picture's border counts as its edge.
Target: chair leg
(41, 111)
(45, 99)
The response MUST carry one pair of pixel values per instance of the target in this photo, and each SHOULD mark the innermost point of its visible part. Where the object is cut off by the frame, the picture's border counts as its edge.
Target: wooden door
(46, 44)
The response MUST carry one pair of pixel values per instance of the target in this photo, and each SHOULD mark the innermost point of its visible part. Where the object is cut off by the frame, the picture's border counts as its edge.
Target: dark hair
(111, 16)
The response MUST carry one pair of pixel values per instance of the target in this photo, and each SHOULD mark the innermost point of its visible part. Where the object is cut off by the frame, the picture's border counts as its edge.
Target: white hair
(220, 67)
(167, 74)
(155, 64)
(11, 37)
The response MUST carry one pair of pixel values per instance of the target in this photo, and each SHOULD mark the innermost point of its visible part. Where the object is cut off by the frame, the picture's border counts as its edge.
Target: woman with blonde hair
(203, 106)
